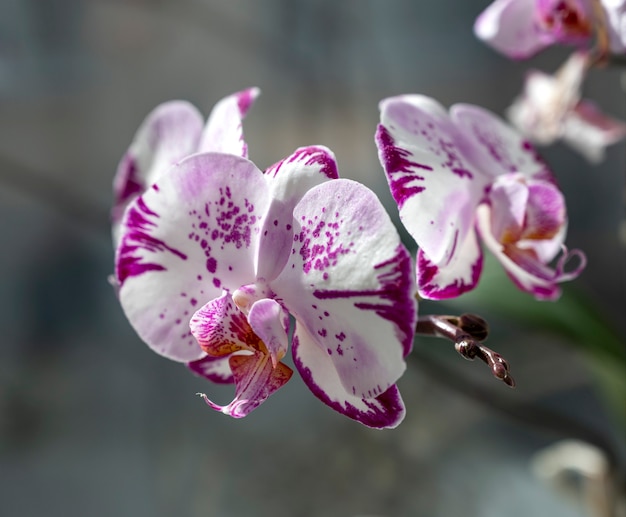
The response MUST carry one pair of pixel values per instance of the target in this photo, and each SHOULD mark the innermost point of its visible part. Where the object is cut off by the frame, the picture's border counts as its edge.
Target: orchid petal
(509, 199)
(524, 267)
(318, 372)
(500, 148)
(221, 329)
(509, 27)
(167, 135)
(536, 209)
(271, 323)
(256, 379)
(223, 132)
(214, 369)
(289, 180)
(193, 233)
(424, 158)
(458, 276)
(616, 17)
(349, 283)
(590, 131)
(545, 211)
(547, 99)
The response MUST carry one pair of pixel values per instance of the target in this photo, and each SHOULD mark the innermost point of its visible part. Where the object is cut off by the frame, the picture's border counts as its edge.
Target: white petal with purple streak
(459, 275)
(195, 232)
(289, 180)
(167, 135)
(349, 282)
(430, 178)
(318, 372)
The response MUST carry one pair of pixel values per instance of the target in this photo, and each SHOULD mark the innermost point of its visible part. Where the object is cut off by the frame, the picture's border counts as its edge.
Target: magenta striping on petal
(427, 271)
(130, 184)
(395, 288)
(328, 166)
(384, 411)
(395, 160)
(495, 147)
(245, 99)
(129, 262)
(312, 155)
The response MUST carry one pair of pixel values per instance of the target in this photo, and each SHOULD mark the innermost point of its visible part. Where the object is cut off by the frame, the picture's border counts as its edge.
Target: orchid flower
(521, 28)
(466, 174)
(551, 108)
(216, 259)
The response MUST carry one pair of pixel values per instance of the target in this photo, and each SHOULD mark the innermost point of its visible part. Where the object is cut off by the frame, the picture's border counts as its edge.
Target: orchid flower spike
(216, 259)
(551, 108)
(466, 174)
(521, 28)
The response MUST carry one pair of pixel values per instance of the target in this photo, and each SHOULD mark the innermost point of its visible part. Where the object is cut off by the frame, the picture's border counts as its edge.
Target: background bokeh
(93, 423)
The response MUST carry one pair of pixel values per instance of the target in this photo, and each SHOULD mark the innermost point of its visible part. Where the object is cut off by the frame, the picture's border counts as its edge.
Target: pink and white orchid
(551, 108)
(216, 258)
(459, 175)
(521, 28)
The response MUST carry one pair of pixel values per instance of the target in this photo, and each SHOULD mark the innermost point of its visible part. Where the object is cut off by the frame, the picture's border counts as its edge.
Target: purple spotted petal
(349, 283)
(271, 323)
(431, 180)
(214, 369)
(316, 368)
(289, 180)
(256, 379)
(223, 132)
(525, 267)
(509, 26)
(195, 232)
(168, 134)
(458, 276)
(500, 149)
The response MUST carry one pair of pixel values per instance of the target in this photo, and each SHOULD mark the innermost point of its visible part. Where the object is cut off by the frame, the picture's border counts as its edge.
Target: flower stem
(467, 333)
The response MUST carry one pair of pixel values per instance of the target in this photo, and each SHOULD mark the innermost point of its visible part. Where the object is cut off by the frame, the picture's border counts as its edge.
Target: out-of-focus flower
(521, 28)
(616, 21)
(551, 108)
(215, 257)
(458, 176)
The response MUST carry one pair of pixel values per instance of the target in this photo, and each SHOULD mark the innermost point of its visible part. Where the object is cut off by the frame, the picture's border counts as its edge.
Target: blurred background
(94, 423)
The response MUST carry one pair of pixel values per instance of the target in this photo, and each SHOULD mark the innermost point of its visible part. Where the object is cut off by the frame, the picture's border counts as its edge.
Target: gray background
(93, 423)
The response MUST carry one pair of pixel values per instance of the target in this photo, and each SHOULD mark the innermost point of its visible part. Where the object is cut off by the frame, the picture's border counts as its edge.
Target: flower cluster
(551, 107)
(224, 267)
